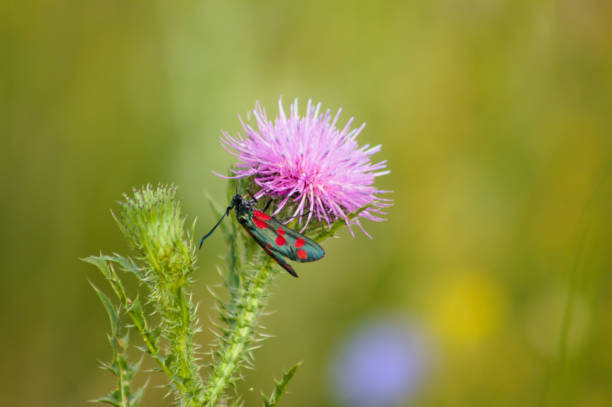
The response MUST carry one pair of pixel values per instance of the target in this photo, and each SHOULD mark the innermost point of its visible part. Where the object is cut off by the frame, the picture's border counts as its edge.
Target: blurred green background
(495, 117)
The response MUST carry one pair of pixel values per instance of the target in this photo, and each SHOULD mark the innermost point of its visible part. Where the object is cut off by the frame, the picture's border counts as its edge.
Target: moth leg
(251, 195)
(267, 205)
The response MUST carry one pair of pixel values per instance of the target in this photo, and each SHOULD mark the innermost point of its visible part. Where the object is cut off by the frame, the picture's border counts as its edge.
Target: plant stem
(153, 223)
(236, 341)
(140, 323)
(179, 324)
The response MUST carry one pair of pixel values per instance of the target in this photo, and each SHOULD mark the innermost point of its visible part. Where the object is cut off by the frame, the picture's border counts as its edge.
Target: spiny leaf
(136, 312)
(124, 341)
(127, 264)
(101, 262)
(238, 402)
(137, 395)
(281, 387)
(133, 369)
(113, 314)
(109, 400)
(154, 335)
(170, 360)
(108, 367)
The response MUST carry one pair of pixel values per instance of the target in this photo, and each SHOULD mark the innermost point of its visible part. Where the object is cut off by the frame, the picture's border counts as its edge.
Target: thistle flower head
(309, 166)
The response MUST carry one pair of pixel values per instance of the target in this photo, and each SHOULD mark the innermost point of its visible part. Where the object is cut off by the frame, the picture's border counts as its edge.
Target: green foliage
(234, 347)
(152, 222)
(281, 387)
(122, 395)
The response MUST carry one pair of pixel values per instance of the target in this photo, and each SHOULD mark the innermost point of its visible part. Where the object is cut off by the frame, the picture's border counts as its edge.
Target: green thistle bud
(151, 220)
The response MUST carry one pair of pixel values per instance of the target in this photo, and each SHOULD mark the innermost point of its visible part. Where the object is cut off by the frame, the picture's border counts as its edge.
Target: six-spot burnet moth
(275, 239)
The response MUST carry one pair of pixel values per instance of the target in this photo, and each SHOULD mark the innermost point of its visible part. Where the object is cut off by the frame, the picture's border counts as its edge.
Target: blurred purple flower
(381, 365)
(309, 163)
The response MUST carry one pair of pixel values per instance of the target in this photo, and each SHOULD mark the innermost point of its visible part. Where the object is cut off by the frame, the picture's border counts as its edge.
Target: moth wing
(292, 244)
(268, 249)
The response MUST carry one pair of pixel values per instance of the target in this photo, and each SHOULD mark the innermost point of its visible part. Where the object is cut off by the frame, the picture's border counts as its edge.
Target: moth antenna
(229, 208)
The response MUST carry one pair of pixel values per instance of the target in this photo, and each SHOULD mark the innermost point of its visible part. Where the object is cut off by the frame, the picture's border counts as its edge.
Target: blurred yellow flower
(466, 310)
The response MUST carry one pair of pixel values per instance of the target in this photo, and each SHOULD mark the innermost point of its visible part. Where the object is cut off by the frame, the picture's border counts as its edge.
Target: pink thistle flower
(308, 165)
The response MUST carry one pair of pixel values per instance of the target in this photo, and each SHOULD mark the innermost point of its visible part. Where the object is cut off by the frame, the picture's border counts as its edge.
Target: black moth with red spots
(275, 239)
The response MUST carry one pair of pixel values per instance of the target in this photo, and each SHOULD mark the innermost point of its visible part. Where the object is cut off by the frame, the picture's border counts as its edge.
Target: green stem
(154, 350)
(179, 323)
(235, 344)
(123, 382)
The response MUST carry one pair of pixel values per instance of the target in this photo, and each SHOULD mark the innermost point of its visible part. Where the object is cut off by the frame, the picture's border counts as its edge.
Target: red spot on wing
(300, 242)
(280, 231)
(280, 241)
(301, 253)
(260, 223)
(261, 216)
(269, 245)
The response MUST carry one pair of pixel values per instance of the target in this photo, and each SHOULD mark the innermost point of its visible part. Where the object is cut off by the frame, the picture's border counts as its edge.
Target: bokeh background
(489, 284)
